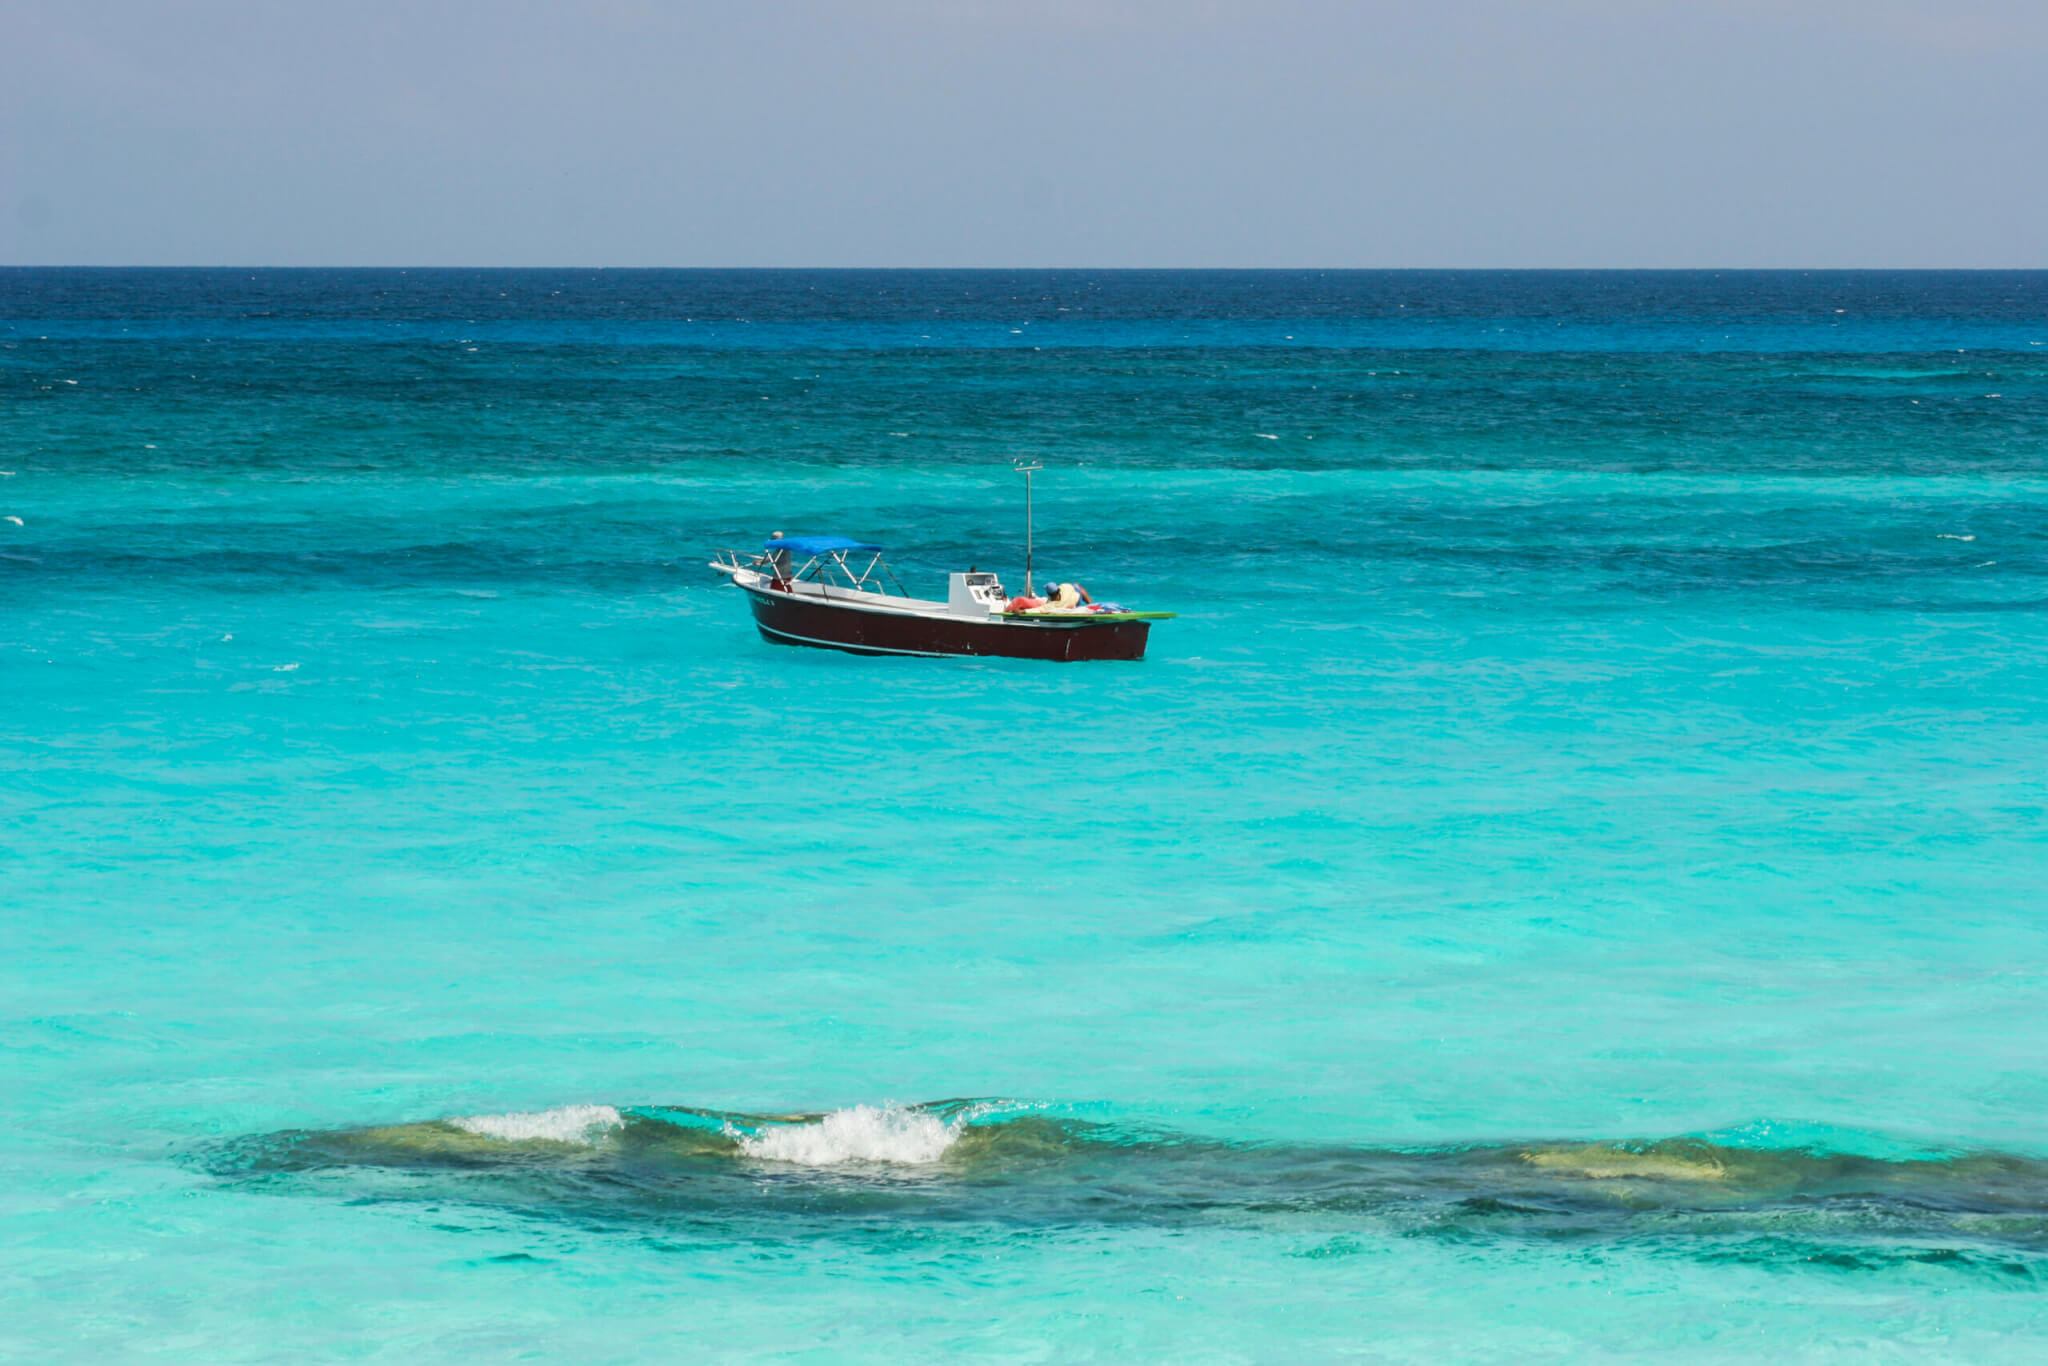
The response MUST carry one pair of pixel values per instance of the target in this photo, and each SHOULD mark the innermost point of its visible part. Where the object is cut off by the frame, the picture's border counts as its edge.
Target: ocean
(1568, 886)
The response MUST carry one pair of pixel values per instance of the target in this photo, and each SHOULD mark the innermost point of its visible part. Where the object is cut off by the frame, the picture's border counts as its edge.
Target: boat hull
(787, 619)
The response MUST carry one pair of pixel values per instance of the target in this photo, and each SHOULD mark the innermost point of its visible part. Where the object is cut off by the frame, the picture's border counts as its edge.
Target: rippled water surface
(1567, 887)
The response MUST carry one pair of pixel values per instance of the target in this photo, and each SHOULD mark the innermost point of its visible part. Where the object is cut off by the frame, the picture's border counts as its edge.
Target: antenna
(1027, 471)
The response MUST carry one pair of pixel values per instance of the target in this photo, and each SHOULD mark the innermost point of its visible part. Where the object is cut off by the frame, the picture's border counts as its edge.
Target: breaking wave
(579, 1124)
(907, 1135)
(1769, 1192)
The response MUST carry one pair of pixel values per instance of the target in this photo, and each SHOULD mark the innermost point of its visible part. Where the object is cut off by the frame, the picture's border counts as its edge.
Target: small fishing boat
(836, 592)
(832, 591)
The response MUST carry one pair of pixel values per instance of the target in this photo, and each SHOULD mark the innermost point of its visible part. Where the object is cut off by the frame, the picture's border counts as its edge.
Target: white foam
(865, 1133)
(564, 1124)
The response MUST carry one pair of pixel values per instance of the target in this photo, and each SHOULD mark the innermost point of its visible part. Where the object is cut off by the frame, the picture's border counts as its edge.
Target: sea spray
(579, 1124)
(862, 1133)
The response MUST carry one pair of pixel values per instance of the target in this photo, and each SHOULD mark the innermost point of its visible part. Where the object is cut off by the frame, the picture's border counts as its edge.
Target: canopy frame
(830, 562)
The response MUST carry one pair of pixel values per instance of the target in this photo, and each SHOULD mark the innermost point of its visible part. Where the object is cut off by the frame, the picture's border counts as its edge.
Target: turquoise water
(1567, 886)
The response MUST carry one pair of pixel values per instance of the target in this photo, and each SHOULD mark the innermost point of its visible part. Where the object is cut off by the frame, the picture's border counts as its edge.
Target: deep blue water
(1566, 887)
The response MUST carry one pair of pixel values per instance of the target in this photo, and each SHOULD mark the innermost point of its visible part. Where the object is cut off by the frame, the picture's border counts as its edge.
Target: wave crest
(864, 1133)
(575, 1124)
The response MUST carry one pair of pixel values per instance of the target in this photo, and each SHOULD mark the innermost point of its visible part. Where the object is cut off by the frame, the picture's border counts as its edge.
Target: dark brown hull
(790, 620)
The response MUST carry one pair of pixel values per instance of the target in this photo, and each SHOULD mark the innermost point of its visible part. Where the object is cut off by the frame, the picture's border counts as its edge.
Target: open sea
(1571, 886)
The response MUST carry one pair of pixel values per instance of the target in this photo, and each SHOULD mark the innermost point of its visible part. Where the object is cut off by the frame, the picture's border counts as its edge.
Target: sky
(1082, 133)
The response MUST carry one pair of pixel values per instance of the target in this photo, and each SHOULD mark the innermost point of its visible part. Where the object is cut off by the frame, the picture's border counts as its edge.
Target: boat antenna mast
(1027, 470)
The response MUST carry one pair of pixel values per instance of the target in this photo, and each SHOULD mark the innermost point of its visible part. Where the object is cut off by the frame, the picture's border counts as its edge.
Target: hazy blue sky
(1025, 132)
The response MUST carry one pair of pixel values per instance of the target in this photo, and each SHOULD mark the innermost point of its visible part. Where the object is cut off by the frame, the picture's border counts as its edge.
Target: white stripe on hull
(854, 649)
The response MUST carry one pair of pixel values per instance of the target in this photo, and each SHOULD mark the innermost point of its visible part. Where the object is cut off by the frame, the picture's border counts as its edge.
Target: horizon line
(1041, 269)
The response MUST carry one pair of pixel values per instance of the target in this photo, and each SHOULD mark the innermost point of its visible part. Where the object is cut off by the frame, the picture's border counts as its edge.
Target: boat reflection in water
(837, 593)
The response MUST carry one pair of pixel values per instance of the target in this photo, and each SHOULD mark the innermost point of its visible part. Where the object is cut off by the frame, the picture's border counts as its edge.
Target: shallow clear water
(1567, 885)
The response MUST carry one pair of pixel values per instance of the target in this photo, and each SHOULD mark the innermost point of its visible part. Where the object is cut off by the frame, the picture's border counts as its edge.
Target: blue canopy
(803, 547)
